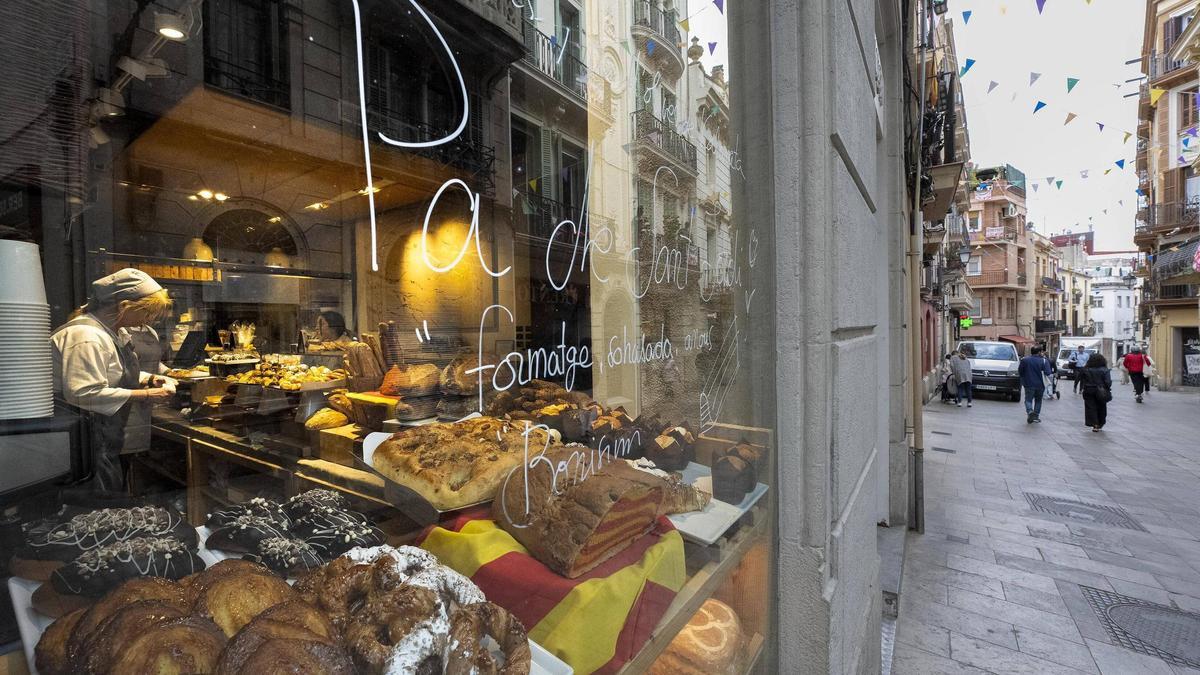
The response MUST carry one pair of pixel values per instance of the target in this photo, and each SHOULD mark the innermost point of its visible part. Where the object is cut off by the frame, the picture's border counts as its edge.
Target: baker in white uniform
(97, 374)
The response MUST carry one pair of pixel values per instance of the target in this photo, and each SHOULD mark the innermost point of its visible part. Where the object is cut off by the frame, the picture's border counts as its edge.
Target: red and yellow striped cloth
(595, 623)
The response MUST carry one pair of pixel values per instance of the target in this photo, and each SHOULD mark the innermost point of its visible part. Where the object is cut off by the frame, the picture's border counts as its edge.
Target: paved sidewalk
(996, 585)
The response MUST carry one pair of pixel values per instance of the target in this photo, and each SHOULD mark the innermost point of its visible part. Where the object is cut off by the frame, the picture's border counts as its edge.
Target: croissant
(50, 655)
(234, 599)
(106, 643)
(187, 645)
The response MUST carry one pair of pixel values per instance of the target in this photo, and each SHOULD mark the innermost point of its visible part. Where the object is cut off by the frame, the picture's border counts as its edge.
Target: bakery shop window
(356, 337)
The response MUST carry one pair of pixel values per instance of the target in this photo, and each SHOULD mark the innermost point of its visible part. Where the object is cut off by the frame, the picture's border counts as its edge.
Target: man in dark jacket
(1032, 370)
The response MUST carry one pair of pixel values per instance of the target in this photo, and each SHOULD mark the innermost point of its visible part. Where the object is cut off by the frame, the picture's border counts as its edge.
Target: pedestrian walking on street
(1096, 382)
(1033, 371)
(1138, 366)
(960, 366)
(949, 384)
(1077, 361)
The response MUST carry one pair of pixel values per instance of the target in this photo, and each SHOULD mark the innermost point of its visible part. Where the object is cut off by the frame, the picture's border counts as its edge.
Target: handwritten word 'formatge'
(560, 361)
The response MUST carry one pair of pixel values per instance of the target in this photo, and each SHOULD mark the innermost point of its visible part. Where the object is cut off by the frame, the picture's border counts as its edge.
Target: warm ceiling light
(193, 198)
(205, 194)
(220, 196)
(317, 206)
(170, 26)
(368, 190)
(275, 219)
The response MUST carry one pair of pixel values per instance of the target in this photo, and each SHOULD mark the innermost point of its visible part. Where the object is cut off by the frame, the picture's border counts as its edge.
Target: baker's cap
(126, 284)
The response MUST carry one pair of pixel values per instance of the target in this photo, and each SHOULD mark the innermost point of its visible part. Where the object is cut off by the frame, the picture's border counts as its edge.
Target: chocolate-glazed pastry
(667, 453)
(99, 570)
(259, 507)
(331, 542)
(735, 472)
(325, 519)
(66, 540)
(285, 555)
(306, 502)
(577, 424)
(243, 534)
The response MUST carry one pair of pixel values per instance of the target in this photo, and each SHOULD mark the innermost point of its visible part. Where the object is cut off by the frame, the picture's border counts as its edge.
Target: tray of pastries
(373, 610)
(290, 377)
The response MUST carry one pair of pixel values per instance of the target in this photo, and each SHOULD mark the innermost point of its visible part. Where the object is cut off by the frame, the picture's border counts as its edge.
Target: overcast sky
(1009, 40)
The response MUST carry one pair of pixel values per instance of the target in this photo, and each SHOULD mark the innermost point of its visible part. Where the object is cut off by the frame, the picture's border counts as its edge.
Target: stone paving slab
(994, 585)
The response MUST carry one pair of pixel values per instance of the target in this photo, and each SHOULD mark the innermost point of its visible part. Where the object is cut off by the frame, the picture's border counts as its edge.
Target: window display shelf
(207, 271)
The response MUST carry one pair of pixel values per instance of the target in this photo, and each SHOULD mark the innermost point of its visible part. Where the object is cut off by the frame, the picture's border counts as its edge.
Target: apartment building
(1167, 230)
(1115, 299)
(1047, 287)
(944, 293)
(1076, 281)
(1003, 264)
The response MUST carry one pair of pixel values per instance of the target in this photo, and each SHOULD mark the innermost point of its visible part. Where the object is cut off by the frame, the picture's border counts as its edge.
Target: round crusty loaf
(708, 644)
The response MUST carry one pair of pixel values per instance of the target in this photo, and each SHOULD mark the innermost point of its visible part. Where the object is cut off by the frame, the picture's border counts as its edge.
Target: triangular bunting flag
(1101, 125)
(1126, 139)
(650, 45)
(533, 184)
(992, 85)
(1071, 82)
(1138, 192)
(526, 207)
(1106, 171)
(1014, 97)
(1182, 160)
(1192, 132)
(1041, 4)
(554, 41)
(1049, 180)
(1033, 77)
(1035, 187)
(1121, 202)
(712, 47)
(1156, 94)
(1106, 212)
(1083, 174)
(1038, 106)
(685, 25)
(1058, 184)
(1185, 141)
(1070, 116)
(966, 66)
(1120, 164)
(720, 5)
(966, 17)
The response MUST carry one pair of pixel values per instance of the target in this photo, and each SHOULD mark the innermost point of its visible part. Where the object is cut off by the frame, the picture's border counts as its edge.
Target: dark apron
(106, 433)
(149, 351)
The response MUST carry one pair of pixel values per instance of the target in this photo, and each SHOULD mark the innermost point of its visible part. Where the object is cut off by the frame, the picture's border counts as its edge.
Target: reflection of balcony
(464, 152)
(549, 59)
(660, 26)
(251, 83)
(541, 215)
(1049, 326)
(993, 278)
(661, 138)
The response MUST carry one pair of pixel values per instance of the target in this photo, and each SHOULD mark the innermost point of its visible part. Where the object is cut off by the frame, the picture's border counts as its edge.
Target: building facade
(1168, 228)
(1115, 302)
(1003, 270)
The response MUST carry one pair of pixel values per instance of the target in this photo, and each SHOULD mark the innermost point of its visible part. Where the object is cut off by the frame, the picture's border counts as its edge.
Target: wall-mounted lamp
(170, 26)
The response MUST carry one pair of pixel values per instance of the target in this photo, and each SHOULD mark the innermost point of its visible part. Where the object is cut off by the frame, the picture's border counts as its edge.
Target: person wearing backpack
(1096, 381)
(1138, 365)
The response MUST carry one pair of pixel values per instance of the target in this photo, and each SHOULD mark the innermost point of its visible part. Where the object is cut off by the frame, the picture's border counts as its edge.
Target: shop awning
(1019, 340)
(1177, 265)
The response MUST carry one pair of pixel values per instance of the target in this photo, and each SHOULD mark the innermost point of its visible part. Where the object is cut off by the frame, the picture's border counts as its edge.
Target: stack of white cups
(26, 369)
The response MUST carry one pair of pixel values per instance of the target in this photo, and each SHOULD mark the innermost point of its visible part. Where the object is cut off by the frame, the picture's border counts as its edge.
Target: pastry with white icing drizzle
(101, 569)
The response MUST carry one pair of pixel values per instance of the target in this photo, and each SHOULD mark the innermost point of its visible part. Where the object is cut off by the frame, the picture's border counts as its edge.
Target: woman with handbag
(1096, 381)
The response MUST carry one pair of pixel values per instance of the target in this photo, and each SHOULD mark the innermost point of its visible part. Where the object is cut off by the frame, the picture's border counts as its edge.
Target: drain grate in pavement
(1101, 514)
(937, 449)
(1148, 628)
(941, 433)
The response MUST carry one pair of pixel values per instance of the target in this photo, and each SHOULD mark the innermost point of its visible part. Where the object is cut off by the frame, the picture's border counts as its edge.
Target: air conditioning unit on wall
(1010, 211)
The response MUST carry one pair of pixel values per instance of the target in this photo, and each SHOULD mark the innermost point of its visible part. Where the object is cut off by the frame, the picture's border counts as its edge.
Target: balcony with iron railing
(1160, 65)
(465, 152)
(559, 63)
(661, 26)
(1172, 293)
(1051, 284)
(251, 83)
(990, 278)
(1165, 217)
(1049, 326)
(652, 132)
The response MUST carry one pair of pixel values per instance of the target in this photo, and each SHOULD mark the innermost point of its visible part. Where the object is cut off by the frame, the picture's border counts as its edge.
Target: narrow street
(999, 583)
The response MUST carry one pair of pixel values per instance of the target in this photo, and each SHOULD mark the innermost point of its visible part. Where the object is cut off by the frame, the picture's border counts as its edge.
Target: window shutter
(547, 182)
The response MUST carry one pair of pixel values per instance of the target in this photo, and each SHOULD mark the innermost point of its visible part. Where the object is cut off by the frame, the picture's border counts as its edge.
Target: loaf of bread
(459, 464)
(411, 380)
(326, 418)
(708, 645)
(577, 520)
